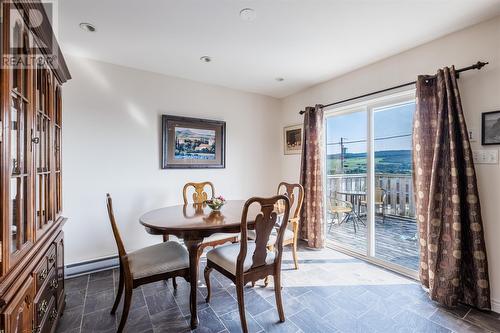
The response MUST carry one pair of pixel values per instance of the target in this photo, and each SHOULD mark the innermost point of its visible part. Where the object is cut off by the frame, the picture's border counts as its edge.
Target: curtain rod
(477, 66)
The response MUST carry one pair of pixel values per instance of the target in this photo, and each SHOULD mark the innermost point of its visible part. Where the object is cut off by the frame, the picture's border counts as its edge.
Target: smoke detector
(248, 14)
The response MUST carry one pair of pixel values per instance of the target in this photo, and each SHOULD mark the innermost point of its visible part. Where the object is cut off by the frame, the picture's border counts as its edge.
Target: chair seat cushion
(225, 256)
(341, 209)
(274, 235)
(157, 259)
(219, 236)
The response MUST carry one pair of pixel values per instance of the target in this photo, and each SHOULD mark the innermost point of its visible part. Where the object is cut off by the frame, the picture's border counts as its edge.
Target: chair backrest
(380, 194)
(116, 232)
(199, 195)
(295, 193)
(265, 221)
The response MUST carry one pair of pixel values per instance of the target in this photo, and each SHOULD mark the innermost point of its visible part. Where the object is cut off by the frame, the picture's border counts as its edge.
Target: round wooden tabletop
(195, 218)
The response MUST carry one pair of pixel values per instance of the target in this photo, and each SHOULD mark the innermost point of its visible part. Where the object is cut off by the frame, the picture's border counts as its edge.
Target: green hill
(386, 161)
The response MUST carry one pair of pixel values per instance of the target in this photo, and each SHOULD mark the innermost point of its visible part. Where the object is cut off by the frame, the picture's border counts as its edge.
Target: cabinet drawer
(47, 262)
(51, 256)
(49, 319)
(46, 293)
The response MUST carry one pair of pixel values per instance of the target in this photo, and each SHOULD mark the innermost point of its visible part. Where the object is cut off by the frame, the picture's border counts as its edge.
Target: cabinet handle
(52, 258)
(35, 140)
(54, 284)
(43, 308)
(53, 315)
(43, 274)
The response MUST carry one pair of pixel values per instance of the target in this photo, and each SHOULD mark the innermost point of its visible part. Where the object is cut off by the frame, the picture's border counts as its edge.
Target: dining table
(355, 198)
(192, 223)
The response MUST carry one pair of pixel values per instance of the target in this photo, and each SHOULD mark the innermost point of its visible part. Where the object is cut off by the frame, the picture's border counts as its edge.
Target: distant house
(202, 146)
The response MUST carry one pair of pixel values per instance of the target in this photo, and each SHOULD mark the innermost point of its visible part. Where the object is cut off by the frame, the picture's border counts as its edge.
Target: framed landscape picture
(490, 128)
(293, 139)
(193, 143)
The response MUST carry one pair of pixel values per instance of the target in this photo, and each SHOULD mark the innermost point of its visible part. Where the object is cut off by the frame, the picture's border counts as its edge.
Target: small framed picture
(193, 143)
(490, 128)
(293, 139)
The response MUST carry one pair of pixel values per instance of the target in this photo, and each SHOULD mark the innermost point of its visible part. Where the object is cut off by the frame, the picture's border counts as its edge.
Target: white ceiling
(306, 42)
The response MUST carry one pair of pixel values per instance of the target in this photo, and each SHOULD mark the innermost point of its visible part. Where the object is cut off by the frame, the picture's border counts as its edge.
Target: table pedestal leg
(193, 246)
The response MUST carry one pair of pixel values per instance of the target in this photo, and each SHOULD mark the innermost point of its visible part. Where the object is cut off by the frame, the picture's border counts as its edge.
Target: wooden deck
(396, 240)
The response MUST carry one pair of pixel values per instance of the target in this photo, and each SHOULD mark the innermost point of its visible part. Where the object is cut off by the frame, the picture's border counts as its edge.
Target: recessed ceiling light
(206, 59)
(248, 14)
(87, 27)
(279, 79)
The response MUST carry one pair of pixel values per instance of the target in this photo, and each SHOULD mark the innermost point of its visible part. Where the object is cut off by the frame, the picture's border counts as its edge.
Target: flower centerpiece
(216, 203)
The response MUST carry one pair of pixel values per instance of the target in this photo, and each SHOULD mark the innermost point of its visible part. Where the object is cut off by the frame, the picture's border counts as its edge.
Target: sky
(388, 121)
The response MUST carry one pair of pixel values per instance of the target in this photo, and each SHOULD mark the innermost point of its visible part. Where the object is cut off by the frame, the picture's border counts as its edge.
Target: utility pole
(342, 154)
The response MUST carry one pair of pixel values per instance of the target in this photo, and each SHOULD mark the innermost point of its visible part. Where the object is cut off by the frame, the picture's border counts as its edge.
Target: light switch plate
(472, 135)
(485, 156)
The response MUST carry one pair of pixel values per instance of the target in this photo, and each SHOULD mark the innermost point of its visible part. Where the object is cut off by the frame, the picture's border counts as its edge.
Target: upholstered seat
(220, 236)
(157, 259)
(226, 256)
(251, 261)
(272, 238)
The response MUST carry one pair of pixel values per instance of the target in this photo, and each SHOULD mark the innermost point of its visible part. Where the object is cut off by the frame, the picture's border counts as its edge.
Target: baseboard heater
(95, 265)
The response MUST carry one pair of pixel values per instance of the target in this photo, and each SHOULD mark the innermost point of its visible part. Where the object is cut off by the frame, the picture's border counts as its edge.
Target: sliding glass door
(369, 192)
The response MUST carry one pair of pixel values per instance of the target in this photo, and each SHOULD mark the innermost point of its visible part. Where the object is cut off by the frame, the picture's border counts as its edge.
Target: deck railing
(399, 199)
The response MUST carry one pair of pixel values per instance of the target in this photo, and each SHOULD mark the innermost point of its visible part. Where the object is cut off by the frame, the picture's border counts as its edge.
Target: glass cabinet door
(19, 237)
(57, 151)
(43, 158)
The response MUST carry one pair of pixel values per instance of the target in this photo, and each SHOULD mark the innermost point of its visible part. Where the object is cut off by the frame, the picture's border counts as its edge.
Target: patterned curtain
(311, 177)
(453, 263)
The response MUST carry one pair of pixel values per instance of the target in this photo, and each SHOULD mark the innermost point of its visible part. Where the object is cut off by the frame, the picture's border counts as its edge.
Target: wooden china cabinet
(31, 237)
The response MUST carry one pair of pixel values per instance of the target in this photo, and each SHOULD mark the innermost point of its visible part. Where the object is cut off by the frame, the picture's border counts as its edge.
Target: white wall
(480, 93)
(111, 143)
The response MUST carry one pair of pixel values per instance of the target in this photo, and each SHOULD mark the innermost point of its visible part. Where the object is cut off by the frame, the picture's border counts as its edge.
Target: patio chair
(380, 196)
(338, 207)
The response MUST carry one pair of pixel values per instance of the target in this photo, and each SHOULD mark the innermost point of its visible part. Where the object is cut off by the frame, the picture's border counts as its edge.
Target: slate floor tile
(291, 305)
(487, 320)
(255, 304)
(75, 299)
(107, 274)
(99, 301)
(269, 321)
(209, 322)
(98, 286)
(170, 320)
(309, 321)
(99, 321)
(345, 322)
(160, 301)
(138, 321)
(77, 283)
(232, 321)
(454, 323)
(223, 303)
(346, 302)
(70, 320)
(418, 323)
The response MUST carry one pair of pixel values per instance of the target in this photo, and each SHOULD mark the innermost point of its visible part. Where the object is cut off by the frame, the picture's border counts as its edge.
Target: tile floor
(331, 292)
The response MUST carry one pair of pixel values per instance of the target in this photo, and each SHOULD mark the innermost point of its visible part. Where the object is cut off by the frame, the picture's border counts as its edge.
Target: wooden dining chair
(150, 264)
(295, 193)
(199, 194)
(199, 197)
(250, 260)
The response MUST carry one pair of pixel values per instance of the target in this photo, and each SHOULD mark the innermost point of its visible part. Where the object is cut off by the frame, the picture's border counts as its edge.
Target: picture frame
(193, 143)
(293, 138)
(490, 128)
